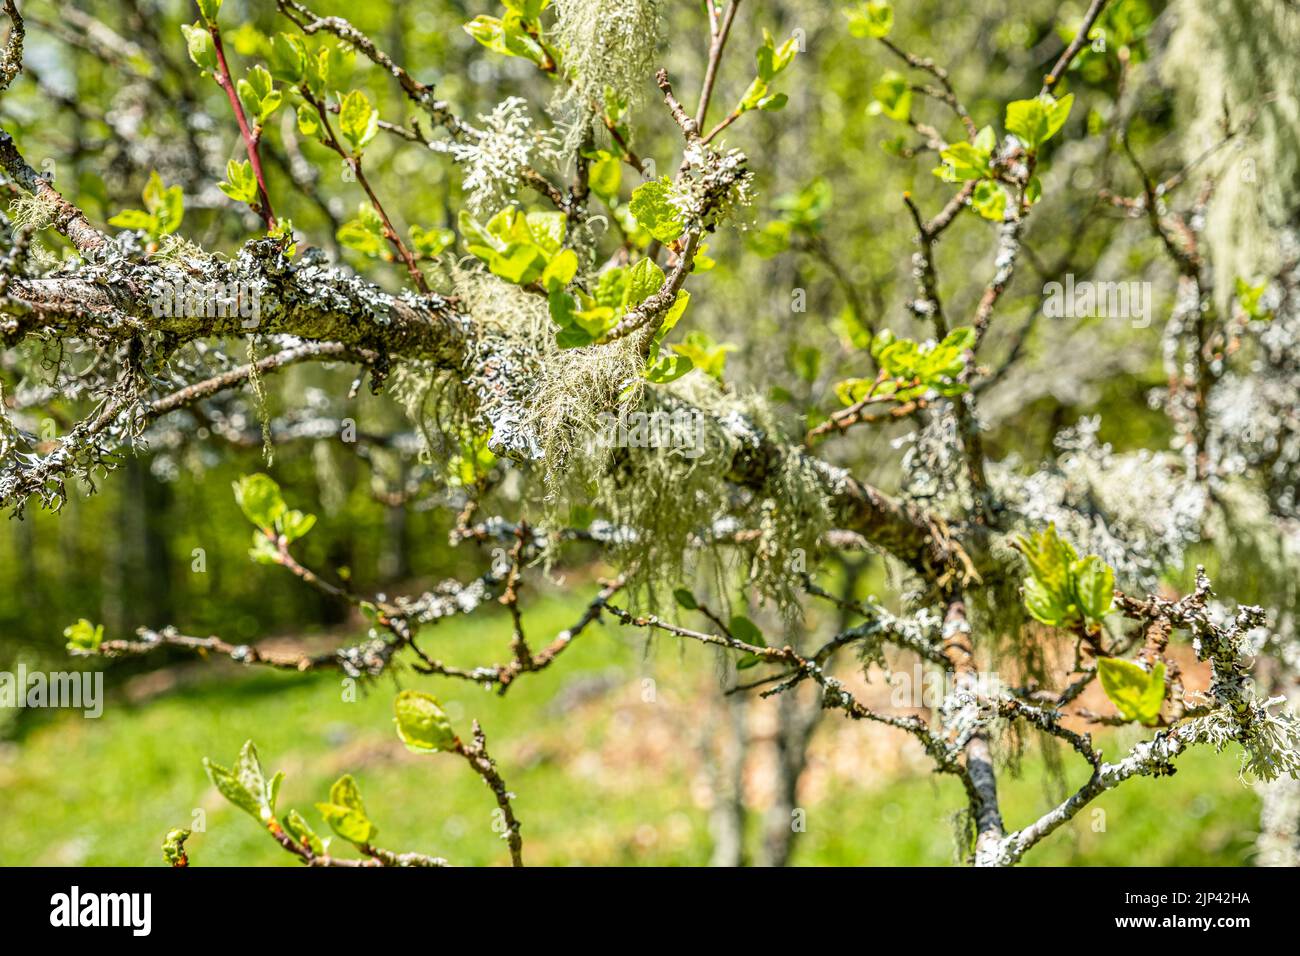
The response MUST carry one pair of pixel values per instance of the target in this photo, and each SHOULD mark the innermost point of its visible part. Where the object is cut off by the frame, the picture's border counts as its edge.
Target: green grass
(610, 779)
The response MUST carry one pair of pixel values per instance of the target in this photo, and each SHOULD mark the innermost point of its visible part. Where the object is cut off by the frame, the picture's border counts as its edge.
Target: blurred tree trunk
(798, 715)
(724, 757)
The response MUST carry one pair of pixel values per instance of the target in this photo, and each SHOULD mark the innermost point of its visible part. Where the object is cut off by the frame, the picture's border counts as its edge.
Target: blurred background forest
(602, 774)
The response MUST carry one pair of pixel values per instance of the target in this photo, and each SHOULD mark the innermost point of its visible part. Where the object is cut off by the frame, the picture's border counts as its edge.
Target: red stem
(250, 140)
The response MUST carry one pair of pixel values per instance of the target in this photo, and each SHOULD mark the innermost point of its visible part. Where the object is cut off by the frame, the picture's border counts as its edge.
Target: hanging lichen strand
(608, 50)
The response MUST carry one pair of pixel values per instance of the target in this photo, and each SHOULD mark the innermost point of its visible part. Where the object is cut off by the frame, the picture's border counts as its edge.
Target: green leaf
(263, 550)
(547, 230)
(166, 203)
(605, 174)
(670, 319)
(871, 20)
(668, 368)
(240, 184)
(743, 629)
(431, 242)
(199, 44)
(258, 496)
(288, 58)
(506, 36)
(298, 828)
(1038, 120)
(651, 206)
(1064, 590)
(295, 524)
(1137, 694)
(771, 59)
(308, 120)
(685, 599)
(421, 723)
(365, 234)
(893, 96)
(346, 814)
(358, 121)
(559, 272)
(84, 636)
(643, 281)
(529, 10)
(316, 72)
(208, 9)
(966, 161)
(989, 200)
(1094, 584)
(258, 94)
(134, 219)
(706, 355)
(244, 785)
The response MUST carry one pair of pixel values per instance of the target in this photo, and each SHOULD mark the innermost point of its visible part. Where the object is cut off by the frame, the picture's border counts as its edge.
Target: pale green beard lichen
(605, 45)
(604, 442)
(32, 212)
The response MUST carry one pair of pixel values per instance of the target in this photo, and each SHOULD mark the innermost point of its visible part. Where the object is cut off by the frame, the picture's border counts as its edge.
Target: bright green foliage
(604, 174)
(914, 369)
(973, 160)
(259, 95)
(431, 242)
(164, 208)
(743, 629)
(309, 121)
(801, 212)
(1036, 121)
(990, 200)
(240, 183)
(654, 210)
(288, 58)
(208, 10)
(298, 828)
(518, 33)
(346, 814)
(198, 42)
(584, 317)
(704, 353)
(471, 463)
(771, 61)
(1136, 693)
(84, 636)
(1064, 590)
(668, 366)
(245, 786)
(365, 233)
(892, 97)
(258, 496)
(1120, 32)
(871, 19)
(1249, 297)
(964, 161)
(421, 723)
(518, 247)
(358, 121)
